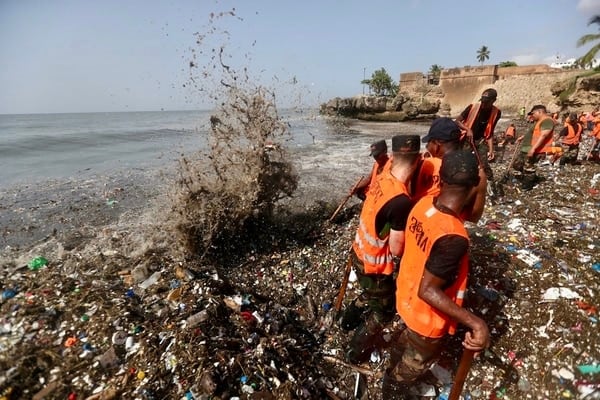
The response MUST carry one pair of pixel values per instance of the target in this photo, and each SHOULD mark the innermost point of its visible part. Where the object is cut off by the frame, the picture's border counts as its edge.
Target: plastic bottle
(37, 263)
(151, 280)
(444, 393)
(524, 385)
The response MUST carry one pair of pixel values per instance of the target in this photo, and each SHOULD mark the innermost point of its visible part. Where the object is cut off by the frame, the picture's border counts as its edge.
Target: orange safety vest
(379, 169)
(372, 249)
(537, 133)
(573, 135)
(596, 130)
(427, 181)
(490, 124)
(425, 225)
(510, 132)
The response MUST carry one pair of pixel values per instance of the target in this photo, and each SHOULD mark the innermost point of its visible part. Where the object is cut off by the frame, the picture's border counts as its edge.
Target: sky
(134, 55)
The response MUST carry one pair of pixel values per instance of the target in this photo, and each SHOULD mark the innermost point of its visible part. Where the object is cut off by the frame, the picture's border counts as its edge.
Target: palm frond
(588, 38)
(594, 20)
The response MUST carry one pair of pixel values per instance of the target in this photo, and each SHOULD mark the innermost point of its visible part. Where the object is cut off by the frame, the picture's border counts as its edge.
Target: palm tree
(588, 58)
(434, 74)
(483, 54)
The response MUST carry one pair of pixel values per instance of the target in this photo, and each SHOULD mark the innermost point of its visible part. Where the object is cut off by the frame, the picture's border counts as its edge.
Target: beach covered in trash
(244, 307)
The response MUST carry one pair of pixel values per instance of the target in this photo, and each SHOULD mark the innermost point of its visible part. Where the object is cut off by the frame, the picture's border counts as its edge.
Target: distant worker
(594, 153)
(522, 112)
(432, 282)
(510, 135)
(589, 119)
(534, 145)
(571, 137)
(442, 138)
(379, 151)
(482, 118)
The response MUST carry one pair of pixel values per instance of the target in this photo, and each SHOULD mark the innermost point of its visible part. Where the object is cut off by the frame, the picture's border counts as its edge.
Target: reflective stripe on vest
(369, 247)
(424, 227)
(490, 123)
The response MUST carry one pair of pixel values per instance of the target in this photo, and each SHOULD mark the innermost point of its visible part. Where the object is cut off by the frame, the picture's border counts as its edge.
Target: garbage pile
(259, 323)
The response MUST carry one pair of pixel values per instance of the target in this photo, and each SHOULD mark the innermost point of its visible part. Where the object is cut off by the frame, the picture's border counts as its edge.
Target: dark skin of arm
(430, 291)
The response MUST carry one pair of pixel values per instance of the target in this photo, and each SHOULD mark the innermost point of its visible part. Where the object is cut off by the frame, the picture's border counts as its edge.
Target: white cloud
(590, 7)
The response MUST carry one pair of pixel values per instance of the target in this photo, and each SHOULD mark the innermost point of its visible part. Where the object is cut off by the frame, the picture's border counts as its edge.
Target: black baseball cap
(444, 129)
(408, 144)
(460, 167)
(378, 148)
(489, 95)
(537, 107)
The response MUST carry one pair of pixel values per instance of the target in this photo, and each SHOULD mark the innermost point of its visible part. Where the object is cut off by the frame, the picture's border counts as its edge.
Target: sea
(38, 147)
(58, 166)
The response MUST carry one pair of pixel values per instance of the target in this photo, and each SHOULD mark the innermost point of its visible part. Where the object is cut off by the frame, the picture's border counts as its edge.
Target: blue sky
(109, 55)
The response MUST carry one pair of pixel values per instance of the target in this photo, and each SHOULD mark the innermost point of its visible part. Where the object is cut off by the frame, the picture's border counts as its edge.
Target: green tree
(381, 83)
(434, 74)
(508, 64)
(483, 54)
(588, 58)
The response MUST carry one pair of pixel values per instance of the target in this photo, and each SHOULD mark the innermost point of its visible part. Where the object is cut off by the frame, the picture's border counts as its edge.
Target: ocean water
(38, 147)
(70, 176)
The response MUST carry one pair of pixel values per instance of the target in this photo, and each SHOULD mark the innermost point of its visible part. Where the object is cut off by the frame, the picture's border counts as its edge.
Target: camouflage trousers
(412, 356)
(571, 152)
(378, 291)
(482, 151)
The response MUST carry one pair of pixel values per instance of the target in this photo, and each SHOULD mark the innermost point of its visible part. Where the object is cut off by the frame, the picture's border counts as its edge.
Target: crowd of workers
(410, 252)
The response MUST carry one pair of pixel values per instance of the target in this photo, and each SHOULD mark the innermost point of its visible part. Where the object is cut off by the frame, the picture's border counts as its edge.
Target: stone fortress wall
(521, 86)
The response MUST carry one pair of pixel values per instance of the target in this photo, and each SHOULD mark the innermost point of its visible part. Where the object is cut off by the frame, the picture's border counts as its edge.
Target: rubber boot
(352, 316)
(498, 189)
(529, 181)
(365, 340)
(392, 389)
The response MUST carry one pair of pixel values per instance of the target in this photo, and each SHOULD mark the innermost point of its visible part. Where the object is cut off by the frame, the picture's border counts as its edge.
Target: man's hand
(491, 155)
(469, 134)
(479, 336)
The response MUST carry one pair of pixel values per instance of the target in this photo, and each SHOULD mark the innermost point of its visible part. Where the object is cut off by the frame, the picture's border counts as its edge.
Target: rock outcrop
(405, 106)
(571, 91)
(579, 94)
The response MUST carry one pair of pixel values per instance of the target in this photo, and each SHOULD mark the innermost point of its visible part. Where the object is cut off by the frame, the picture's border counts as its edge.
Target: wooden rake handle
(337, 210)
(461, 374)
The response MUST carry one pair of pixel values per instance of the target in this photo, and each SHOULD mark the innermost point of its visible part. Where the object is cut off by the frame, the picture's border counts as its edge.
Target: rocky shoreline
(579, 93)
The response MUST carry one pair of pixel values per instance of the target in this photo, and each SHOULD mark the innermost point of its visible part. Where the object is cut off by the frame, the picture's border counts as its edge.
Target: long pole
(342, 292)
(337, 210)
(461, 374)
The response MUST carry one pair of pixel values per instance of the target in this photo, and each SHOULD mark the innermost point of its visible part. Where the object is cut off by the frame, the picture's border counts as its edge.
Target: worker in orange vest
(432, 282)
(594, 153)
(509, 135)
(571, 137)
(482, 118)
(379, 152)
(534, 145)
(443, 137)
